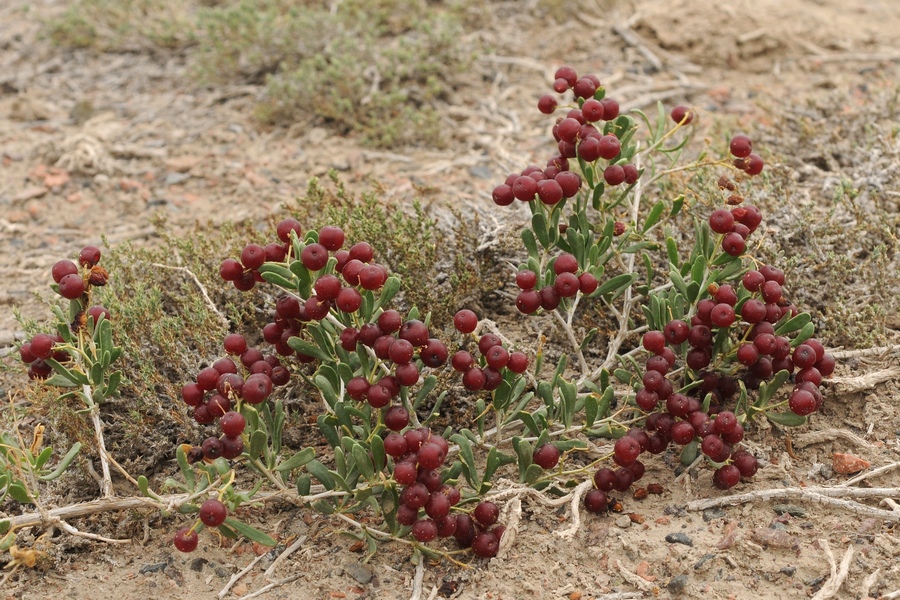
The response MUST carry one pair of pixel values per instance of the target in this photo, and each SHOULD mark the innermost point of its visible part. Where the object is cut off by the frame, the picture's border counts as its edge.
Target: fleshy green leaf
(321, 473)
(63, 463)
(787, 418)
(251, 533)
(297, 460)
(304, 347)
(654, 216)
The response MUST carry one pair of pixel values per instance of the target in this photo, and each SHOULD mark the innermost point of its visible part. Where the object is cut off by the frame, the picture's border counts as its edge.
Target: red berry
(610, 109)
(253, 256)
(726, 477)
(733, 244)
(232, 423)
(614, 175)
(71, 286)
(592, 110)
(626, 450)
(595, 501)
(62, 268)
(348, 300)
(213, 513)
(676, 332)
(186, 540)
(682, 114)
(285, 227)
(741, 146)
(654, 341)
(518, 362)
(474, 379)
(465, 321)
(528, 301)
(587, 283)
(567, 74)
(609, 147)
(314, 256)
(547, 104)
(331, 237)
(89, 256)
(721, 221)
(486, 513)
(526, 280)
(485, 544)
(502, 195)
(546, 456)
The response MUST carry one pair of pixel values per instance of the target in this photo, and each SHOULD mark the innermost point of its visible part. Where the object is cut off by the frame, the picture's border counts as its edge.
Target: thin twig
(91, 536)
(234, 578)
(106, 483)
(870, 474)
(875, 351)
(821, 495)
(576, 494)
(417, 580)
(838, 575)
(271, 586)
(634, 579)
(868, 582)
(281, 557)
(827, 435)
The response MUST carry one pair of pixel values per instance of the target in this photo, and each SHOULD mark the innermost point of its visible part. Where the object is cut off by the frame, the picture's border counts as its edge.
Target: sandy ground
(94, 145)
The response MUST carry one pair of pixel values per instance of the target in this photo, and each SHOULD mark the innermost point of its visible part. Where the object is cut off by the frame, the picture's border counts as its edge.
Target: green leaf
(8, 540)
(470, 469)
(71, 376)
(623, 375)
(42, 458)
(322, 475)
(328, 427)
(529, 242)
(258, 441)
(805, 333)
(654, 215)
(672, 251)
(363, 462)
(677, 205)
(794, 324)
(112, 385)
(251, 533)
(698, 269)
(590, 410)
(533, 473)
(326, 389)
(787, 418)
(19, 493)
(529, 422)
(63, 463)
(495, 460)
(297, 460)
(279, 275)
(187, 471)
(567, 391)
(304, 347)
(525, 453)
(4, 526)
(540, 227)
(689, 453)
(616, 284)
(304, 484)
(388, 291)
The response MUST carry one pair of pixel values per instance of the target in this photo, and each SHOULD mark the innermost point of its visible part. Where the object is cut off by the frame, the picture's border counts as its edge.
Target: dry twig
(838, 575)
(827, 435)
(237, 576)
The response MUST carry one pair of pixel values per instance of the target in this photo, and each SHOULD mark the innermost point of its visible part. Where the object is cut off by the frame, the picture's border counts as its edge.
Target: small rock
(176, 178)
(848, 463)
(197, 564)
(676, 585)
(679, 538)
(481, 172)
(791, 509)
(789, 571)
(35, 191)
(152, 568)
(183, 164)
(623, 522)
(711, 514)
(703, 560)
(359, 572)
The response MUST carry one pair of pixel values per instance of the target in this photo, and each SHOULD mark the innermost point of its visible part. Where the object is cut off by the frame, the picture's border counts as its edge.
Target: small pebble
(677, 584)
(703, 560)
(679, 538)
(197, 564)
(153, 568)
(789, 571)
(359, 572)
(791, 509)
(711, 514)
(623, 522)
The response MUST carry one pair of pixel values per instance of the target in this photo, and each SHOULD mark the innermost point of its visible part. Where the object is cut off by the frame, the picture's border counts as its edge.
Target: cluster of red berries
(567, 283)
(218, 388)
(425, 502)
(485, 373)
(681, 418)
(626, 451)
(396, 341)
(244, 273)
(745, 159)
(212, 514)
(72, 283)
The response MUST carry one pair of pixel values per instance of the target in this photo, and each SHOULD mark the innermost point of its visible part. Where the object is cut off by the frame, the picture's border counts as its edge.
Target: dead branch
(827, 435)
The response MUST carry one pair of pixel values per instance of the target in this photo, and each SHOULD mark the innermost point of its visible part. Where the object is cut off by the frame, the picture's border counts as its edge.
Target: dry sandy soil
(94, 144)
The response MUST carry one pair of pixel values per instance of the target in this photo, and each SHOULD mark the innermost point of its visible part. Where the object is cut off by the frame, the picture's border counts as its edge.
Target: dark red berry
(682, 114)
(546, 456)
(213, 513)
(89, 256)
(186, 540)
